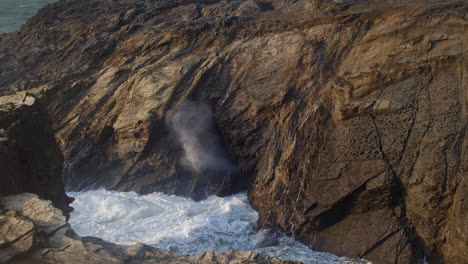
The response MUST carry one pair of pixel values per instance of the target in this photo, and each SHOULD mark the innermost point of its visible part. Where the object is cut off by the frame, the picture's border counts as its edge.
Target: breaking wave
(183, 225)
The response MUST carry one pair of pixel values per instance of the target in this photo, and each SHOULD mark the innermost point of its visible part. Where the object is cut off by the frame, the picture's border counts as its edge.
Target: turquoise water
(14, 13)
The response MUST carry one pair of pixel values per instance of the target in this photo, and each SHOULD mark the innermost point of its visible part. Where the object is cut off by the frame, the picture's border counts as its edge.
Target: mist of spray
(193, 124)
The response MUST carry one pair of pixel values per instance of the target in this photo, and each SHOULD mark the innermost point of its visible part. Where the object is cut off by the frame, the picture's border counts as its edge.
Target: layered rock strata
(347, 119)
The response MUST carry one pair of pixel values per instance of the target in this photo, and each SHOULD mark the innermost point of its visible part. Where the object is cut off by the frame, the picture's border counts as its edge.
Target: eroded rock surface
(33, 231)
(349, 119)
(30, 159)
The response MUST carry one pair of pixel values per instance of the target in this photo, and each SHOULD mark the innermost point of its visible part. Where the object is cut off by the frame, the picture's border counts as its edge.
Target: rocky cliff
(34, 231)
(348, 120)
(30, 159)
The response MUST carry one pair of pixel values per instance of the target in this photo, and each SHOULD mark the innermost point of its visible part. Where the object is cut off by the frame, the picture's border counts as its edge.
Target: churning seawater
(14, 13)
(182, 225)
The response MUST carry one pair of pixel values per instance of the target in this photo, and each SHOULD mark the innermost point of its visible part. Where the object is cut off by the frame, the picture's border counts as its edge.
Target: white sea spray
(182, 225)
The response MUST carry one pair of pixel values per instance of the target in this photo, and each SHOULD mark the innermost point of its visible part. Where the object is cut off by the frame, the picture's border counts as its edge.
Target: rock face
(33, 231)
(30, 159)
(347, 119)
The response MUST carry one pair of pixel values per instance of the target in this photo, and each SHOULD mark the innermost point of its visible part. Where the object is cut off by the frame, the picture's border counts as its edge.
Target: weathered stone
(336, 113)
(16, 236)
(43, 213)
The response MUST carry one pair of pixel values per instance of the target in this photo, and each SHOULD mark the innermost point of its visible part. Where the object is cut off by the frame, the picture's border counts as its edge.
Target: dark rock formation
(348, 119)
(30, 159)
(33, 231)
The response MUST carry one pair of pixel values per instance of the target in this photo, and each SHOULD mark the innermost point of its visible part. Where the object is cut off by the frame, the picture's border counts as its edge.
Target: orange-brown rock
(348, 119)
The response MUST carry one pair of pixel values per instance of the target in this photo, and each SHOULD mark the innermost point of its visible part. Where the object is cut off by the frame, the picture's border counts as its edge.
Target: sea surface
(185, 226)
(14, 13)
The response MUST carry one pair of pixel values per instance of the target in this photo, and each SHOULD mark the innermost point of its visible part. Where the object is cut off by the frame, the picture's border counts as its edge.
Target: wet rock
(347, 119)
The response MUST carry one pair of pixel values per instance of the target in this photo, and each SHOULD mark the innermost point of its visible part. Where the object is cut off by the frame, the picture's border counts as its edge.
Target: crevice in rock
(398, 194)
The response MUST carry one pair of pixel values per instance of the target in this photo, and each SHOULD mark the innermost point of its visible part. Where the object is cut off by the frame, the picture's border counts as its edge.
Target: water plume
(194, 126)
(204, 157)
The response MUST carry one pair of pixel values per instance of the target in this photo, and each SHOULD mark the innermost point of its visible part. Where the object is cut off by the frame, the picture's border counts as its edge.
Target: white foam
(182, 225)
